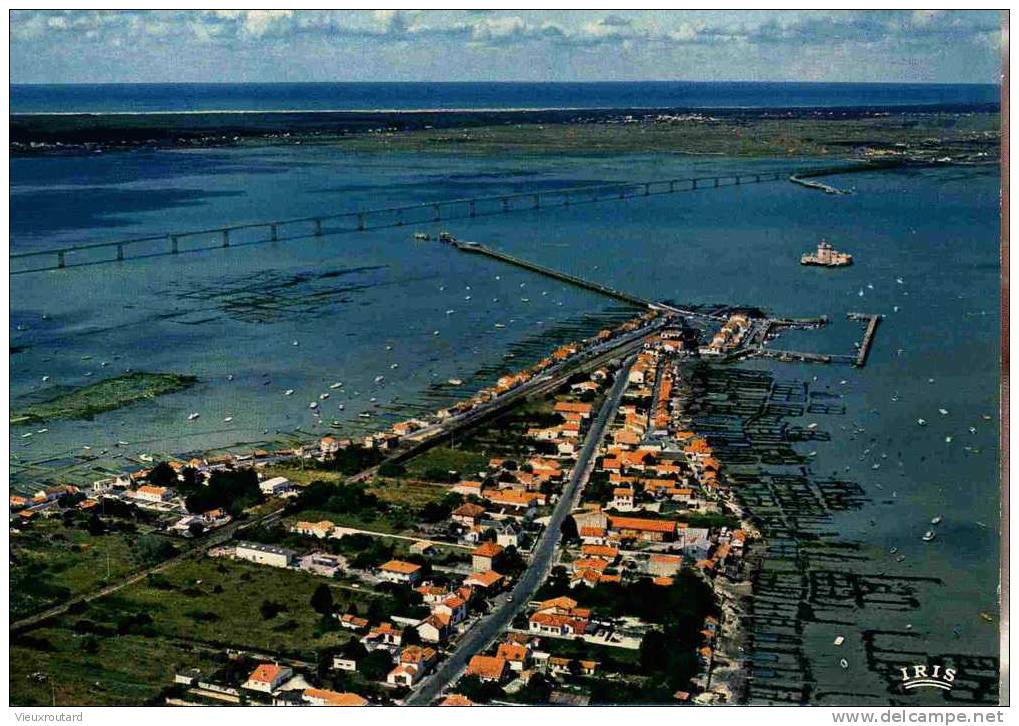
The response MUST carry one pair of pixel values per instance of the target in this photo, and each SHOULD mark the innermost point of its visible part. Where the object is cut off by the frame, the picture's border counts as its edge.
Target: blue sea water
(181, 97)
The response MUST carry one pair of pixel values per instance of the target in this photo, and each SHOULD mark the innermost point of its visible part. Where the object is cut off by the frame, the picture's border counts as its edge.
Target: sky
(139, 46)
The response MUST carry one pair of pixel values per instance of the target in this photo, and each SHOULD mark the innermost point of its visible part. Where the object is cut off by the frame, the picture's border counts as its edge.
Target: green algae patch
(107, 395)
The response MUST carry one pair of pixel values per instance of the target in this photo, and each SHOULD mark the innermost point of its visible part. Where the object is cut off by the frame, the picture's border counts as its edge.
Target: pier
(868, 336)
(237, 236)
(480, 249)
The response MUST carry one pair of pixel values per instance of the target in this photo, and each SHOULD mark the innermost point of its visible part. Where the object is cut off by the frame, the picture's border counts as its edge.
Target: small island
(106, 395)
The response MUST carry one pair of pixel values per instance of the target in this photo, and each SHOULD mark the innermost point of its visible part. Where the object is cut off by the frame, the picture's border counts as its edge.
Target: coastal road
(507, 606)
(543, 385)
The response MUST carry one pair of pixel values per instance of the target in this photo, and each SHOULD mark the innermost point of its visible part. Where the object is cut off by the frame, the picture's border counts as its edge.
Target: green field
(443, 459)
(50, 666)
(95, 398)
(216, 602)
(52, 563)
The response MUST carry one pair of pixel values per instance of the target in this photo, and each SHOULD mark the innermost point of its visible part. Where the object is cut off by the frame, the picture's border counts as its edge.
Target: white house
(268, 677)
(275, 486)
(262, 554)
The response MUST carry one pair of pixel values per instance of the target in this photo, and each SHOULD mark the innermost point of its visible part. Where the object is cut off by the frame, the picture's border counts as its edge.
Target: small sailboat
(323, 396)
(230, 377)
(499, 325)
(921, 421)
(455, 382)
(379, 379)
(193, 416)
(340, 407)
(389, 347)
(839, 640)
(928, 535)
(288, 392)
(394, 366)
(45, 378)
(228, 419)
(937, 520)
(364, 414)
(313, 405)
(336, 385)
(294, 343)
(844, 663)
(943, 412)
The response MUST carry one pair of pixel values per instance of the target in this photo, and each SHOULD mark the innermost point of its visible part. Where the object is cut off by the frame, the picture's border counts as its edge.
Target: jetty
(480, 249)
(868, 335)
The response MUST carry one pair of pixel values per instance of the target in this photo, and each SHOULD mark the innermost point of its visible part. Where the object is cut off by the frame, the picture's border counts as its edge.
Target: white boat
(379, 379)
(323, 396)
(336, 385)
(193, 416)
(937, 520)
(844, 663)
(499, 325)
(435, 332)
(450, 311)
(288, 392)
(455, 382)
(42, 431)
(394, 366)
(389, 347)
(948, 439)
(921, 421)
(812, 426)
(145, 457)
(45, 378)
(313, 405)
(365, 415)
(294, 343)
(123, 443)
(525, 299)
(943, 412)
(28, 435)
(373, 399)
(228, 419)
(839, 640)
(467, 297)
(340, 406)
(928, 535)
(230, 377)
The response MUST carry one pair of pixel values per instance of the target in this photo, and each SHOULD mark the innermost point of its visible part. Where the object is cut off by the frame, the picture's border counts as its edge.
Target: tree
(152, 548)
(410, 636)
(196, 529)
(537, 690)
(376, 665)
(569, 529)
(479, 691)
(162, 475)
(270, 609)
(322, 600)
(95, 525)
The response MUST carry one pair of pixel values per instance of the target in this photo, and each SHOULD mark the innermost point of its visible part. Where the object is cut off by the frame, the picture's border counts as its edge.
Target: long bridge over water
(252, 233)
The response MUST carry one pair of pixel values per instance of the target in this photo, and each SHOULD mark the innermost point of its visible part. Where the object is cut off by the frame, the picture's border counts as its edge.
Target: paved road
(507, 606)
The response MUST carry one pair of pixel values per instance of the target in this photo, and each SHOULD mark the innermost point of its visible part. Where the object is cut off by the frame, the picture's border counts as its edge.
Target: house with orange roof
(384, 635)
(268, 677)
(349, 621)
(663, 581)
(468, 488)
(485, 556)
(432, 594)
(623, 499)
(590, 563)
(517, 655)
(603, 551)
(584, 409)
(515, 499)
(559, 665)
(661, 565)
(320, 529)
(323, 697)
(399, 571)
(488, 582)
(148, 493)
(492, 669)
(455, 699)
(454, 606)
(648, 530)
(556, 625)
(468, 514)
(435, 628)
(18, 502)
(591, 578)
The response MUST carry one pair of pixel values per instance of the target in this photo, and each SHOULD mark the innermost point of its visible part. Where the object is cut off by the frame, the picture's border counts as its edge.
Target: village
(628, 605)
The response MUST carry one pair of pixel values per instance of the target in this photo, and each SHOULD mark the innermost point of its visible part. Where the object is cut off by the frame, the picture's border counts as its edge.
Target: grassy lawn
(52, 563)
(216, 602)
(579, 650)
(126, 670)
(407, 492)
(467, 463)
